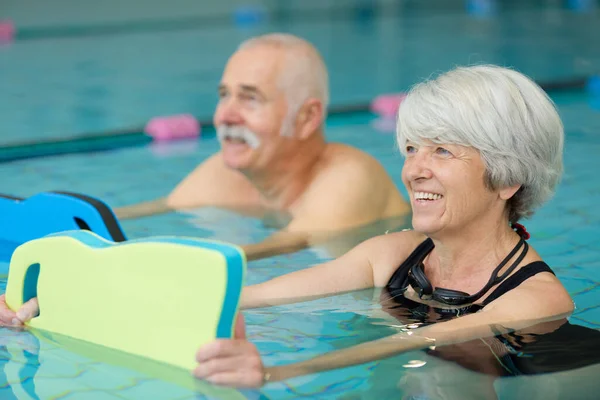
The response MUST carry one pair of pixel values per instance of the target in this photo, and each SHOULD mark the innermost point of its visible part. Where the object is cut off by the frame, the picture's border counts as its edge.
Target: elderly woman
(483, 148)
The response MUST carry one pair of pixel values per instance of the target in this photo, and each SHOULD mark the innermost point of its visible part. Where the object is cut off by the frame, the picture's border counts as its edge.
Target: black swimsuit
(568, 347)
(397, 285)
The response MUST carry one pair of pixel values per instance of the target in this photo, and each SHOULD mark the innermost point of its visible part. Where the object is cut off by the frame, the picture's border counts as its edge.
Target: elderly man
(274, 158)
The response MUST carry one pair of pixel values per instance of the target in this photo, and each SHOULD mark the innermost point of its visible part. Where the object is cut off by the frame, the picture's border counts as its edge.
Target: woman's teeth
(427, 196)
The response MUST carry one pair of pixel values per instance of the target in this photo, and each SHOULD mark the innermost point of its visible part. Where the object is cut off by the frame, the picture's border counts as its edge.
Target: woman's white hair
(304, 75)
(501, 113)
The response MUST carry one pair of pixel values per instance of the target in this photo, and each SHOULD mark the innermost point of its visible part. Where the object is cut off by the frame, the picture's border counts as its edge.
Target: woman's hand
(231, 362)
(27, 311)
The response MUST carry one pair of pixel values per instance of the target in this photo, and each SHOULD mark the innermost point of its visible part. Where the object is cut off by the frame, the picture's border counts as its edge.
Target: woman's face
(447, 188)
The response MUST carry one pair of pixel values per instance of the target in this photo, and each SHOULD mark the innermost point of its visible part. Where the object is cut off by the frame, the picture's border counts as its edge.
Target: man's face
(252, 108)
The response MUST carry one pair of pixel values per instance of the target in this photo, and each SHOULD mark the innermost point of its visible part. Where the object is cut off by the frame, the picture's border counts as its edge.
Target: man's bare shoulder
(212, 183)
(343, 153)
(343, 159)
(341, 164)
(212, 171)
(214, 164)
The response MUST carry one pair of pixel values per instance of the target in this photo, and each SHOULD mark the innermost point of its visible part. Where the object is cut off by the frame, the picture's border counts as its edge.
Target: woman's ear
(507, 192)
(309, 118)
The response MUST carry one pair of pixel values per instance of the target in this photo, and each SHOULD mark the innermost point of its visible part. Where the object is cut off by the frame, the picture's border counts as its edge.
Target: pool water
(94, 84)
(565, 232)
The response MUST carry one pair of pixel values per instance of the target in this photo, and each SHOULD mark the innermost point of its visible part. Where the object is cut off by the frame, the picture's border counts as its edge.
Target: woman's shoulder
(536, 285)
(388, 251)
(404, 241)
(535, 271)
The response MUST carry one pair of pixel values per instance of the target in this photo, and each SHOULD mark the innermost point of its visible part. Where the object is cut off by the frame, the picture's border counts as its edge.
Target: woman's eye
(410, 149)
(442, 151)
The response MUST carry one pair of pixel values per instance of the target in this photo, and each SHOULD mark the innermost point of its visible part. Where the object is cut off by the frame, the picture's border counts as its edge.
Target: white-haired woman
(483, 148)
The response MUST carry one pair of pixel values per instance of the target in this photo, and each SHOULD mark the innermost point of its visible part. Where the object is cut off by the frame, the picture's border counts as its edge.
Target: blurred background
(89, 67)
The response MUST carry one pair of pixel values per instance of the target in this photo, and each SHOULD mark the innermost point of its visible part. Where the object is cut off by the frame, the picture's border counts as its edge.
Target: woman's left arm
(232, 362)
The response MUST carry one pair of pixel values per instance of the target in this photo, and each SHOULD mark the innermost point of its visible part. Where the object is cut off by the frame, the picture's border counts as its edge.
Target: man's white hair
(501, 113)
(304, 74)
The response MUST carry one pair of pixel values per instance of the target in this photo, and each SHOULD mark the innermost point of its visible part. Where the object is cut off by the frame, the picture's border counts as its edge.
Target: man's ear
(309, 118)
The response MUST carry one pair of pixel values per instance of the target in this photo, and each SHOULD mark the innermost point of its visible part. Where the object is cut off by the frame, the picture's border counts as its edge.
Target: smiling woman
(493, 116)
(445, 185)
(483, 149)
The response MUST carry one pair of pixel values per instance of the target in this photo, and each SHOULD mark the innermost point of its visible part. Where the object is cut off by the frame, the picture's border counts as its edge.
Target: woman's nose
(417, 166)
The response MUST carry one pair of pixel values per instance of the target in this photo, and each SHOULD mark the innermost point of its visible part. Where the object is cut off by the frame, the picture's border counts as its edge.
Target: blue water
(80, 84)
(58, 87)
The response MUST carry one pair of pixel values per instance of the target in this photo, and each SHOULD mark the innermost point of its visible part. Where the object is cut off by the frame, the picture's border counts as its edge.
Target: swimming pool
(565, 232)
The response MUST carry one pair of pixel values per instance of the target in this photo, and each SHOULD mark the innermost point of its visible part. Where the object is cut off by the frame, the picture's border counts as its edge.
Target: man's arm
(336, 243)
(339, 210)
(206, 185)
(283, 242)
(153, 207)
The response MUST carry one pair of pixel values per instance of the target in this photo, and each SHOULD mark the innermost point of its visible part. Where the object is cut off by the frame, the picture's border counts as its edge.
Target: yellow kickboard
(159, 298)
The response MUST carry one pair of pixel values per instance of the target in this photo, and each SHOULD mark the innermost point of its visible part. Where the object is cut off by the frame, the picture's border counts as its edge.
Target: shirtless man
(270, 119)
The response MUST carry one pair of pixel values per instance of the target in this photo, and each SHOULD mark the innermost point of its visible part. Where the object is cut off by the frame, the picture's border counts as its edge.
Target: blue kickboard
(46, 213)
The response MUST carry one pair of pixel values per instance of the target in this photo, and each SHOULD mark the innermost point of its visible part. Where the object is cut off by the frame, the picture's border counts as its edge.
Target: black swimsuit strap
(398, 278)
(517, 278)
(397, 281)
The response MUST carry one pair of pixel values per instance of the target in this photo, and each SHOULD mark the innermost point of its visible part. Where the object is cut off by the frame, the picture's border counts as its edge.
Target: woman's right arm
(352, 271)
(369, 264)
